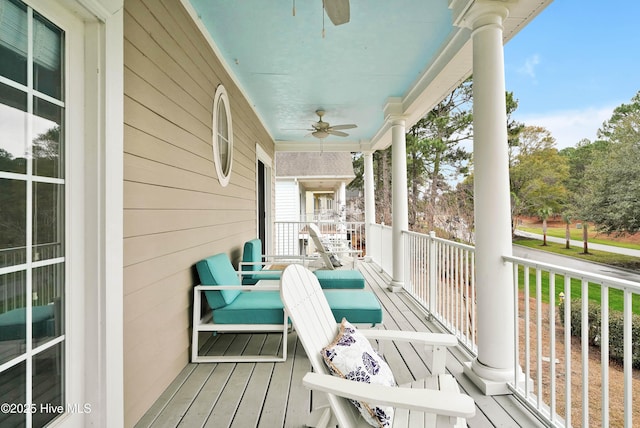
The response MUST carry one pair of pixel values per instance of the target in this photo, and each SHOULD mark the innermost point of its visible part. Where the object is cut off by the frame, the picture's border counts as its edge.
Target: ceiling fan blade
(337, 11)
(338, 133)
(350, 126)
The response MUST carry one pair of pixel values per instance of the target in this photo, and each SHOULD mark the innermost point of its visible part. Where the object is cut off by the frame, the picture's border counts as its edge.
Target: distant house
(312, 186)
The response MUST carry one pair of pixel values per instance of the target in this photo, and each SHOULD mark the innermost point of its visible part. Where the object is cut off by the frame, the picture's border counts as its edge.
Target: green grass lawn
(616, 297)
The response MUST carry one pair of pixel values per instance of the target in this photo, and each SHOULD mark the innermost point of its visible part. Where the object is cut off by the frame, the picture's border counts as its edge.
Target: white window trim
(94, 209)
(221, 96)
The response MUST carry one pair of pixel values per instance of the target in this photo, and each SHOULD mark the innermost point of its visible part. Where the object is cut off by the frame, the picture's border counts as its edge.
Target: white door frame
(263, 156)
(94, 204)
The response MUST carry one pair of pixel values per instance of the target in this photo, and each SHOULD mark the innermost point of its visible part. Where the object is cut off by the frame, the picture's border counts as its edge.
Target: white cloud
(529, 66)
(568, 127)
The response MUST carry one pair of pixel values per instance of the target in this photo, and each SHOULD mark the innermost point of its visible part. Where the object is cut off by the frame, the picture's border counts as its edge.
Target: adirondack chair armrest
(444, 403)
(436, 342)
(425, 338)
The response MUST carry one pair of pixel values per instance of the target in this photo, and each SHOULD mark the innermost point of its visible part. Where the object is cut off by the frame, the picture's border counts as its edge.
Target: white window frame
(73, 178)
(94, 372)
(221, 97)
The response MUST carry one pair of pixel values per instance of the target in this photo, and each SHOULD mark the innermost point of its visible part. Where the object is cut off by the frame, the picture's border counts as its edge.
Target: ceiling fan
(337, 10)
(323, 129)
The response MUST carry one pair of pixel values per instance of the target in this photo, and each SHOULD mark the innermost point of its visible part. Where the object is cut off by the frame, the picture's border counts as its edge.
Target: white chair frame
(203, 322)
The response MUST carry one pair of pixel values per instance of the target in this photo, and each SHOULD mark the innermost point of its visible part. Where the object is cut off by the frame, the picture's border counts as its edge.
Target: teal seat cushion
(360, 307)
(13, 322)
(265, 307)
(218, 270)
(339, 278)
(252, 307)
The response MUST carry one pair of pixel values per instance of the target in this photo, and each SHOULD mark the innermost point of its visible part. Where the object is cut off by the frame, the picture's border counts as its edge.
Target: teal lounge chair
(252, 270)
(245, 308)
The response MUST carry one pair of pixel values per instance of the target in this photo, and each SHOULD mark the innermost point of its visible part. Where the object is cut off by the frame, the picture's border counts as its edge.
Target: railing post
(380, 246)
(433, 292)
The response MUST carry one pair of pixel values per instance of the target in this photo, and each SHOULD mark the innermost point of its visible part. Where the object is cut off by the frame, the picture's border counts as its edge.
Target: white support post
(369, 195)
(494, 366)
(400, 209)
(342, 201)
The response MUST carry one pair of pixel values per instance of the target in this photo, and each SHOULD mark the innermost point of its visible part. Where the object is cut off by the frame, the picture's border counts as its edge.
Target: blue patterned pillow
(350, 356)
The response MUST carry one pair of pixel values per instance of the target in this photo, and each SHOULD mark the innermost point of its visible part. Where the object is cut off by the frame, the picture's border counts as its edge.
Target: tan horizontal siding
(142, 195)
(159, 129)
(149, 221)
(175, 211)
(140, 303)
(150, 146)
(143, 248)
(140, 275)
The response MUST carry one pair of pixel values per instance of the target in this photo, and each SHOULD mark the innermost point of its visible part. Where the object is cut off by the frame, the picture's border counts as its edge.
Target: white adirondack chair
(325, 254)
(436, 401)
(326, 248)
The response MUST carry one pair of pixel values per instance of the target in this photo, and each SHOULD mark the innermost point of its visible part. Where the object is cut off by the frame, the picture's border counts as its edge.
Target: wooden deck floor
(271, 394)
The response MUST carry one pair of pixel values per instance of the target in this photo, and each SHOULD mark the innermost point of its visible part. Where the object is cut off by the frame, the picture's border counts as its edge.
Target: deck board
(202, 404)
(273, 410)
(272, 395)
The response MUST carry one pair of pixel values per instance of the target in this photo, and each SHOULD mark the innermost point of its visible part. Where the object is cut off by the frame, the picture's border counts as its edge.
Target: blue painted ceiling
(288, 69)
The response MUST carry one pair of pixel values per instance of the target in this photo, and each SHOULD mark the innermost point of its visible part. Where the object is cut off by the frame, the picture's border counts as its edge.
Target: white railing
(550, 356)
(380, 248)
(46, 280)
(326, 215)
(292, 237)
(439, 274)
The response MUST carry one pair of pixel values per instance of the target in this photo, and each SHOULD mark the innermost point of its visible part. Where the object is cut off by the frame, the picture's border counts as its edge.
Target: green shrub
(616, 329)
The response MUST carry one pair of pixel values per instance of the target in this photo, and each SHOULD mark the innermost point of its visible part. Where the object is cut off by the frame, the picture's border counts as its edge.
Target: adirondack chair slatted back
(316, 327)
(315, 234)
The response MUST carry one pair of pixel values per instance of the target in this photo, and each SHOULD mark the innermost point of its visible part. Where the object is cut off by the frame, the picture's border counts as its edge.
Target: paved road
(600, 247)
(574, 263)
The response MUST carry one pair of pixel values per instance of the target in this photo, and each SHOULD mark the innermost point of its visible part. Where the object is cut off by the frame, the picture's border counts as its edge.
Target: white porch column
(399, 203)
(342, 201)
(494, 365)
(369, 190)
(369, 194)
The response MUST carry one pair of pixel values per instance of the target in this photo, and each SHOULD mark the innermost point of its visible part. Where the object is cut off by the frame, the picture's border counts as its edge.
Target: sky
(573, 64)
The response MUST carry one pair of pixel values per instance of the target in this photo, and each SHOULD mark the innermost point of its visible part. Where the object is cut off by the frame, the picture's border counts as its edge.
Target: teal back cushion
(252, 253)
(218, 270)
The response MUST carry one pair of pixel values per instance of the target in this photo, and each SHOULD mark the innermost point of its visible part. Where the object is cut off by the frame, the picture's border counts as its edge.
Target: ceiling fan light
(320, 134)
